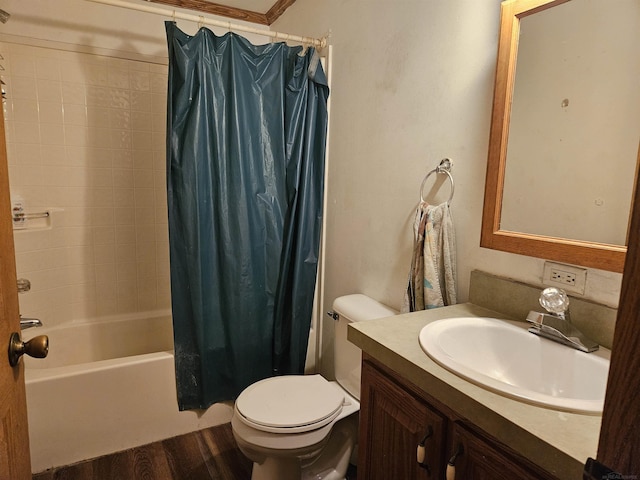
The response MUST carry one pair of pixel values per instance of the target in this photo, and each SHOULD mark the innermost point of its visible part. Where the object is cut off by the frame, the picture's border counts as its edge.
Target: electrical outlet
(565, 278)
(569, 278)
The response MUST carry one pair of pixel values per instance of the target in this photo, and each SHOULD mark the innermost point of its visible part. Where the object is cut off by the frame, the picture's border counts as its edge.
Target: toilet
(304, 426)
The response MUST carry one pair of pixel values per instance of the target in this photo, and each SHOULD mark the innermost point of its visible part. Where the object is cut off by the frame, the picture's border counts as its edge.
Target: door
(14, 434)
(619, 446)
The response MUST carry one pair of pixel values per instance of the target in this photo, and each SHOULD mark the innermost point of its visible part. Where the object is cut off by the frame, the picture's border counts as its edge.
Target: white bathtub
(106, 386)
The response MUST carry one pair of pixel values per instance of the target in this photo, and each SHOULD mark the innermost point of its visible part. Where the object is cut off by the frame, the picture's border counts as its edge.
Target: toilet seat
(290, 404)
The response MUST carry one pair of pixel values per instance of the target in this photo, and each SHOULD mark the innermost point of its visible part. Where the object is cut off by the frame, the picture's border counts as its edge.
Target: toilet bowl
(285, 433)
(304, 426)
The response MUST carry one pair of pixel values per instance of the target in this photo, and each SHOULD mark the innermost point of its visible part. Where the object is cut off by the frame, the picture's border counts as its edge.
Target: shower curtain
(246, 131)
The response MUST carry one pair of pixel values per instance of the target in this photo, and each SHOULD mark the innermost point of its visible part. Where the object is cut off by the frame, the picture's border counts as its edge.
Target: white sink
(511, 361)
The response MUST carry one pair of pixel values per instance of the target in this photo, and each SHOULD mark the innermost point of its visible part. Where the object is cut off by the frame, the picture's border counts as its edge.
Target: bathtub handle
(37, 347)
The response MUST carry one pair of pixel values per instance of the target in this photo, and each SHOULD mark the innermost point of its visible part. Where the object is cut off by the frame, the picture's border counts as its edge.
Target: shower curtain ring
(200, 22)
(306, 45)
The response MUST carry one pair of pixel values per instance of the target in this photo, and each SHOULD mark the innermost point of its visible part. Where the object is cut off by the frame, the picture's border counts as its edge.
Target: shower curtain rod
(316, 42)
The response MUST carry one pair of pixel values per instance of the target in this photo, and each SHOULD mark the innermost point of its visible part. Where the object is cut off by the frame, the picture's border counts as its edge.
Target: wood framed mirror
(565, 131)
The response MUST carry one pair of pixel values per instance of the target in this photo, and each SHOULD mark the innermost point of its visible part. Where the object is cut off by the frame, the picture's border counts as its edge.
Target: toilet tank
(347, 357)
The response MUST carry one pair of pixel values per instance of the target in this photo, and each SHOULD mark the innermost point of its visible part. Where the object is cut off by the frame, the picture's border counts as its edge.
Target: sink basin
(509, 360)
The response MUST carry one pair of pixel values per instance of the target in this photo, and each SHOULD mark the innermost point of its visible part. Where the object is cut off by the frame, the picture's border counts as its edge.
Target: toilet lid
(290, 403)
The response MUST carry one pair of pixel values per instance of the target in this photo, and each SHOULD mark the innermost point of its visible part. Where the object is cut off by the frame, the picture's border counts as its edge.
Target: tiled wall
(86, 141)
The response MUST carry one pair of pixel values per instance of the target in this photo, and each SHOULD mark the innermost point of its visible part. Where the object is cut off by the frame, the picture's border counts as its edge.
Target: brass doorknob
(37, 347)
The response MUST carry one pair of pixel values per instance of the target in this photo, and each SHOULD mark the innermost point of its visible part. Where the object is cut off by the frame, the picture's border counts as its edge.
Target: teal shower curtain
(246, 132)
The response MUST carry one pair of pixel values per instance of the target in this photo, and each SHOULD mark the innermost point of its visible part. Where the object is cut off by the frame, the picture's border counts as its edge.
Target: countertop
(559, 442)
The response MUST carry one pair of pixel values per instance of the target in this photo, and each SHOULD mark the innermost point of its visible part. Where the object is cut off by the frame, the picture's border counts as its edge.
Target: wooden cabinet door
(481, 459)
(14, 435)
(392, 424)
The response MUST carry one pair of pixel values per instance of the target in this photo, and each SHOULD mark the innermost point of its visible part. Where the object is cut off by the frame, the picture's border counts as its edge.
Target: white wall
(85, 141)
(412, 83)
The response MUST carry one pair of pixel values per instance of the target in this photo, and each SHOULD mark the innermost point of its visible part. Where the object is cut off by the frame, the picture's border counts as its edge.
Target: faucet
(556, 323)
(29, 322)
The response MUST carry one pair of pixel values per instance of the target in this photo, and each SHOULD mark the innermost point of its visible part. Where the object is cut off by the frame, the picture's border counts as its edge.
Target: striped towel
(432, 278)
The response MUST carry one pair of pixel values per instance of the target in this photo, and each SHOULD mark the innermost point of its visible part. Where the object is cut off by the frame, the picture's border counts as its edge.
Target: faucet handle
(554, 300)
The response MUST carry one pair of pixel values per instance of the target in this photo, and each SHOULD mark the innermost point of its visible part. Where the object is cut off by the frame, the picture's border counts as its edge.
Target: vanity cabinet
(392, 424)
(482, 459)
(397, 420)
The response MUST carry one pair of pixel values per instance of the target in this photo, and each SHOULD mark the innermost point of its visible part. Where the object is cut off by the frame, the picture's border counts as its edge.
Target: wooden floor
(205, 455)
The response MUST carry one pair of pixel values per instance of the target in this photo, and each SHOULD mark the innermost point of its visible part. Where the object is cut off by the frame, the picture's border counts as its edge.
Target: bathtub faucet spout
(29, 322)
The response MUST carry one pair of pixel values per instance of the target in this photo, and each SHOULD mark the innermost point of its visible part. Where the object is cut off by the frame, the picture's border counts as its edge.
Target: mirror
(565, 130)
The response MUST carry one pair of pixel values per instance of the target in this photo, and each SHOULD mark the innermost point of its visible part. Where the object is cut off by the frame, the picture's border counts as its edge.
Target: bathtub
(106, 386)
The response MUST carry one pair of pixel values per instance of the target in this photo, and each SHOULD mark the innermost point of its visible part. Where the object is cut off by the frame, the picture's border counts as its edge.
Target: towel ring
(444, 167)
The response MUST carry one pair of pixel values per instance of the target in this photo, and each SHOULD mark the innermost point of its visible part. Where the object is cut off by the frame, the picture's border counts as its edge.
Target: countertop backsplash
(515, 299)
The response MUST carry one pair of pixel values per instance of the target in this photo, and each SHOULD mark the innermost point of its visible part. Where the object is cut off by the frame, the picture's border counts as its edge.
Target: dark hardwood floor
(210, 454)
(205, 455)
